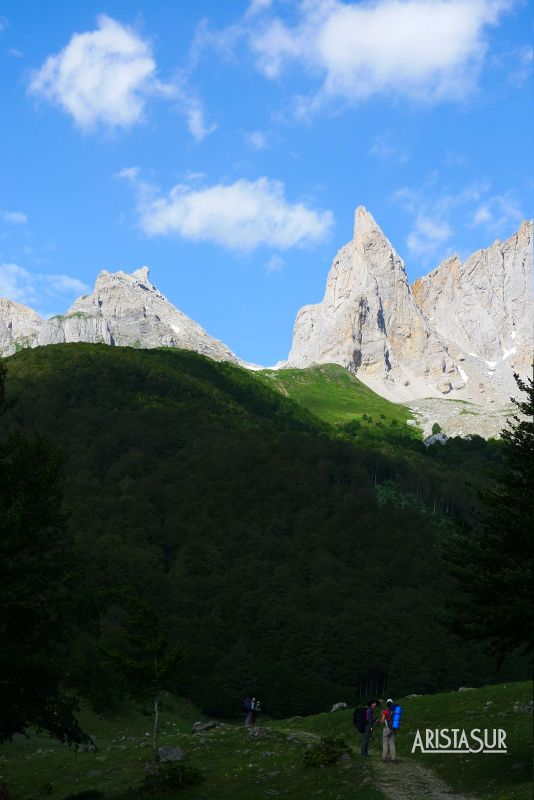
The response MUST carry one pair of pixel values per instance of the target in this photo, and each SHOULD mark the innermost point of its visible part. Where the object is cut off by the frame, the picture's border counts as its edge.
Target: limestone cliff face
(128, 310)
(123, 310)
(370, 322)
(19, 326)
(485, 310)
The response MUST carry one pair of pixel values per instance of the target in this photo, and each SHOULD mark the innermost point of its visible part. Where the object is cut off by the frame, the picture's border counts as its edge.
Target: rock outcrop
(484, 308)
(459, 332)
(122, 310)
(370, 323)
(19, 326)
(128, 310)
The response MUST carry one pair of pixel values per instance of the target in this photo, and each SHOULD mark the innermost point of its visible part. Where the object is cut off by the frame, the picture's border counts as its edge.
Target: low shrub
(325, 752)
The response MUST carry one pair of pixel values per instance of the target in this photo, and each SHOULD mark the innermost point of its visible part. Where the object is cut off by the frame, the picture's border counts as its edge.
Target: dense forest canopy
(290, 558)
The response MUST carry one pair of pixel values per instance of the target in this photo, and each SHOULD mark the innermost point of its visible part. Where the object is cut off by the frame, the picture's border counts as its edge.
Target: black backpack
(359, 718)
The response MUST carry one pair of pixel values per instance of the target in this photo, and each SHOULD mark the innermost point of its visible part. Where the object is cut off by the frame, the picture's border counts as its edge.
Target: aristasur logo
(458, 740)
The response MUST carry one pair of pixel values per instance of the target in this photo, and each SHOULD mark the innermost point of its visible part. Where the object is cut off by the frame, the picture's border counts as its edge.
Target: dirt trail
(408, 780)
(404, 780)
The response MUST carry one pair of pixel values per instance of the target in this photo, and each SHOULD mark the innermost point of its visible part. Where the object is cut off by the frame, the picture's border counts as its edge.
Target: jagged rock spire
(370, 322)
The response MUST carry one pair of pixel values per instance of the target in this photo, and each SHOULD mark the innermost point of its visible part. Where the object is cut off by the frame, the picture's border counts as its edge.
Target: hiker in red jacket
(388, 733)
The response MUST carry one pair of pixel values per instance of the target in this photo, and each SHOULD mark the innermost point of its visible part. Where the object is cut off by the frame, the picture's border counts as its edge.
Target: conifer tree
(492, 561)
(38, 600)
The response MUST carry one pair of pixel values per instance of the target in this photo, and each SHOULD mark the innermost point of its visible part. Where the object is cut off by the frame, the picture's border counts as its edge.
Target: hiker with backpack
(390, 719)
(249, 708)
(252, 707)
(364, 720)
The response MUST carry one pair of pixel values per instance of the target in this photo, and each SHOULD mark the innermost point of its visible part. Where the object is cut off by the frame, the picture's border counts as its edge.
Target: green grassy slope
(491, 777)
(336, 396)
(503, 777)
(236, 767)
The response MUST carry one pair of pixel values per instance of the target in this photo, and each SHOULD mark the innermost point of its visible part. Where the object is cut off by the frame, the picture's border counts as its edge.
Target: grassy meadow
(271, 764)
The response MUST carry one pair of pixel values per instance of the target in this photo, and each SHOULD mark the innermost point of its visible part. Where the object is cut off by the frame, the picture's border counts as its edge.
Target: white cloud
(14, 53)
(427, 50)
(384, 149)
(192, 107)
(242, 215)
(4, 24)
(498, 213)
(14, 217)
(101, 77)
(438, 212)
(482, 215)
(275, 264)
(64, 284)
(105, 76)
(521, 71)
(128, 173)
(428, 235)
(256, 140)
(35, 289)
(257, 7)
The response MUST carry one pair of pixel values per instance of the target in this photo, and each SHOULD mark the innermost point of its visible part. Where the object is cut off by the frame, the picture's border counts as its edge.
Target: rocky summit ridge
(122, 309)
(459, 332)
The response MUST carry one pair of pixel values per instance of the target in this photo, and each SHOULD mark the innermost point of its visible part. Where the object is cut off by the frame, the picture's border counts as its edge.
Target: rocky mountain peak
(19, 326)
(369, 322)
(458, 331)
(123, 309)
(376, 251)
(484, 308)
(120, 280)
(141, 275)
(525, 231)
(364, 223)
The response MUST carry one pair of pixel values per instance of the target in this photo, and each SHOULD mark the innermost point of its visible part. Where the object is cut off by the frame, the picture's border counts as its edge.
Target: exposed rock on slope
(19, 326)
(461, 331)
(370, 323)
(484, 308)
(124, 310)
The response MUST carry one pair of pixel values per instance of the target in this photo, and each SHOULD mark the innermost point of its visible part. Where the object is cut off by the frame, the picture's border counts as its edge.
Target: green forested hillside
(290, 560)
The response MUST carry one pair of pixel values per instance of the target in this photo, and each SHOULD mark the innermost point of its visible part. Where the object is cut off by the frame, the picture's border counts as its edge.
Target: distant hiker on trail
(364, 720)
(252, 707)
(248, 704)
(390, 719)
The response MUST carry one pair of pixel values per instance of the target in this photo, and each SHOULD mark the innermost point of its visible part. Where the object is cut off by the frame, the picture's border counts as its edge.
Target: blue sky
(227, 144)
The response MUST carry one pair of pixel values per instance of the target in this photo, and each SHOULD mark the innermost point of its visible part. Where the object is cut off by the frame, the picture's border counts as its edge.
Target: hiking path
(409, 780)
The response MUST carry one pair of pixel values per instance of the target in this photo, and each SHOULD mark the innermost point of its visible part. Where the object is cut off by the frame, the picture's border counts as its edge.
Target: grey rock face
(19, 326)
(460, 418)
(370, 323)
(128, 310)
(485, 310)
(436, 438)
(122, 310)
(459, 332)
(171, 753)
